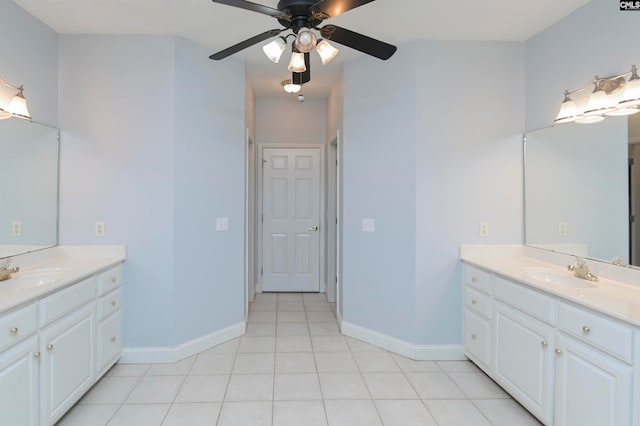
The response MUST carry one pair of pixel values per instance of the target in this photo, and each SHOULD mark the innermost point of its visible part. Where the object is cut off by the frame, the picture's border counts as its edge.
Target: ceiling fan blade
(244, 44)
(254, 7)
(303, 77)
(331, 8)
(368, 45)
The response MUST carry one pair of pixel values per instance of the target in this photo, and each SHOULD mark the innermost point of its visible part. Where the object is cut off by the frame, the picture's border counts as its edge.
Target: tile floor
(294, 368)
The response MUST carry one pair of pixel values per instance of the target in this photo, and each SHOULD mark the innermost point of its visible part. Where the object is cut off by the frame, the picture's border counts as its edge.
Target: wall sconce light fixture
(12, 101)
(610, 96)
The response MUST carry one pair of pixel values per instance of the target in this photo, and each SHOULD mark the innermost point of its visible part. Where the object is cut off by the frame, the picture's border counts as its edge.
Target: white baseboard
(148, 355)
(404, 348)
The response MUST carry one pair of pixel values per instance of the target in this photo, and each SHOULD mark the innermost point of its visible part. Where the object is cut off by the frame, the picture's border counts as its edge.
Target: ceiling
(218, 26)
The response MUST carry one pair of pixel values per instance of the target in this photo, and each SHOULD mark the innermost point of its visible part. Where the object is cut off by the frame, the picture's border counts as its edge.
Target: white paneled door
(291, 219)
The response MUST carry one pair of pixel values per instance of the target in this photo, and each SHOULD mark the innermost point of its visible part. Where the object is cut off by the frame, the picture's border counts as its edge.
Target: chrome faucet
(581, 270)
(6, 270)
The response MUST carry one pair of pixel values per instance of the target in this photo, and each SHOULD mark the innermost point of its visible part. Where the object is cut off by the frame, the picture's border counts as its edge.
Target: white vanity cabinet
(19, 384)
(568, 365)
(109, 320)
(477, 316)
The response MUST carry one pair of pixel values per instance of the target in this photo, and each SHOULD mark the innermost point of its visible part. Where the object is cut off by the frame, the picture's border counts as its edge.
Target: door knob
(314, 228)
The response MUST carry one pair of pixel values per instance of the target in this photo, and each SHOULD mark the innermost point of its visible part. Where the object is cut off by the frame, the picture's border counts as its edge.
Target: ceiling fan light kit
(302, 17)
(290, 87)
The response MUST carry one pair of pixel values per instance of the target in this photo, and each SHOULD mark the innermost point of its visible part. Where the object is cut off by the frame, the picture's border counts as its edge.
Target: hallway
(293, 367)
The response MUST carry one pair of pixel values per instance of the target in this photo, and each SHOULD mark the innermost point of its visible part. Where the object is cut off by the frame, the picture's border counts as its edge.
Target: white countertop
(59, 267)
(617, 299)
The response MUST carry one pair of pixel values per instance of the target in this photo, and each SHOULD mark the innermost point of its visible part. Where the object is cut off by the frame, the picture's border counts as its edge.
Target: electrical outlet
(16, 228)
(222, 223)
(484, 229)
(99, 229)
(562, 229)
(368, 225)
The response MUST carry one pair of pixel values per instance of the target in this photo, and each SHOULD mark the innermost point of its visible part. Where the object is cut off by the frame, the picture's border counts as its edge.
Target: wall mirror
(29, 189)
(582, 189)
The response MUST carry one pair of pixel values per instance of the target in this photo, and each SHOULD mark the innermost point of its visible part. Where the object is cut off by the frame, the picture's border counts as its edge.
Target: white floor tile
(140, 415)
(213, 364)
(389, 386)
(352, 413)
(298, 317)
(376, 362)
(322, 316)
(265, 297)
(329, 344)
(314, 297)
(299, 413)
(193, 414)
(478, 385)
(289, 297)
(246, 414)
(180, 368)
(203, 389)
(296, 387)
(295, 362)
(411, 366)
(258, 363)
(262, 316)
(458, 366)
(261, 329)
(324, 329)
(250, 387)
(456, 412)
(317, 307)
(293, 344)
(292, 329)
(110, 390)
(155, 390)
(358, 346)
(291, 306)
(505, 412)
(128, 370)
(336, 362)
(89, 415)
(267, 306)
(405, 413)
(434, 386)
(343, 386)
(249, 344)
(230, 347)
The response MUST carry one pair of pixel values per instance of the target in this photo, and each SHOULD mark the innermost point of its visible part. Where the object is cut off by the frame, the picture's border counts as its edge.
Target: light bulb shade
(306, 40)
(598, 103)
(18, 106)
(631, 95)
(589, 119)
(624, 111)
(274, 49)
(296, 64)
(568, 111)
(291, 87)
(326, 51)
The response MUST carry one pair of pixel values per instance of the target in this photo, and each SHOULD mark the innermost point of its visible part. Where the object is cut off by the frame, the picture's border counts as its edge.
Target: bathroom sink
(558, 278)
(38, 277)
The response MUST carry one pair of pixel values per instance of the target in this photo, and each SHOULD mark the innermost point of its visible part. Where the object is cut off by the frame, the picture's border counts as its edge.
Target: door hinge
(631, 161)
(632, 219)
(261, 272)
(336, 280)
(336, 220)
(261, 218)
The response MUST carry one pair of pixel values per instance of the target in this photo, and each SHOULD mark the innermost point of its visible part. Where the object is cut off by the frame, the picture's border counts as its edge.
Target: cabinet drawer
(477, 302)
(58, 305)
(477, 278)
(607, 334)
(18, 325)
(477, 337)
(527, 300)
(109, 341)
(109, 303)
(109, 280)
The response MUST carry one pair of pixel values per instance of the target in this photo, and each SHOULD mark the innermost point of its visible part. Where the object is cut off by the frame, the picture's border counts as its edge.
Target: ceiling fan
(302, 16)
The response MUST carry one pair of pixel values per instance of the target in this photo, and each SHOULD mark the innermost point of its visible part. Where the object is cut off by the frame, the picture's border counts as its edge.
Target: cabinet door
(19, 384)
(477, 338)
(524, 360)
(591, 387)
(68, 357)
(109, 341)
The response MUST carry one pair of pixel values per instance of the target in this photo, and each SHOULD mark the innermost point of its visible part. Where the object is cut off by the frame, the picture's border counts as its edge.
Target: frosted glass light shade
(326, 51)
(290, 87)
(296, 64)
(568, 111)
(599, 103)
(274, 49)
(589, 119)
(631, 95)
(306, 40)
(18, 106)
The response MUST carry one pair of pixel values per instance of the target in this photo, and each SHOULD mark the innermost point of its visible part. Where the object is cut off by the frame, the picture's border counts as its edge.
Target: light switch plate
(99, 229)
(16, 228)
(368, 225)
(562, 229)
(484, 229)
(222, 223)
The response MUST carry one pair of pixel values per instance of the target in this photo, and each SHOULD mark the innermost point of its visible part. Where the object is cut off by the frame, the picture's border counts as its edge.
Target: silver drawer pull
(586, 329)
(50, 346)
(14, 331)
(544, 343)
(36, 355)
(474, 301)
(114, 302)
(474, 279)
(114, 279)
(113, 338)
(558, 351)
(474, 337)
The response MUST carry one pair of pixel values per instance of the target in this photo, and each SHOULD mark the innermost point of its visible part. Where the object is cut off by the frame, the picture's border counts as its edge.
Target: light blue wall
(597, 39)
(152, 144)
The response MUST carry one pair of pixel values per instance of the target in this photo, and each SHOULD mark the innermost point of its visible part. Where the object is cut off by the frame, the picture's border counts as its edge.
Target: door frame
(322, 212)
